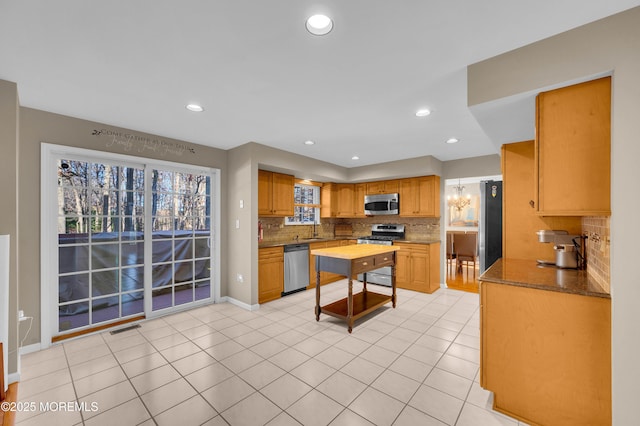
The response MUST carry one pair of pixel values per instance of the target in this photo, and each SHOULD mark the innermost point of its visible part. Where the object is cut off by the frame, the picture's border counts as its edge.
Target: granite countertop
(279, 243)
(418, 241)
(527, 273)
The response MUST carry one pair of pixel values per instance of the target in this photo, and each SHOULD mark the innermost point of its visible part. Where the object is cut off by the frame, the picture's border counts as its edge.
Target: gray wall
(608, 45)
(244, 162)
(488, 165)
(243, 242)
(39, 126)
(238, 167)
(9, 116)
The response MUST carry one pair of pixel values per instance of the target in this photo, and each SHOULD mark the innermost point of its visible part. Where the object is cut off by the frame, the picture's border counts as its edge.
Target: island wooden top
(354, 251)
(526, 273)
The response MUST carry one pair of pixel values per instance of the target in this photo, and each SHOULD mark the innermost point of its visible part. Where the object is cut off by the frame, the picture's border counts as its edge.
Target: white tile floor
(217, 365)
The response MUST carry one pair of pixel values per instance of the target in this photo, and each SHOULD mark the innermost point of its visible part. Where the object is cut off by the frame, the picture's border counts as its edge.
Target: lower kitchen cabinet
(418, 267)
(546, 355)
(270, 273)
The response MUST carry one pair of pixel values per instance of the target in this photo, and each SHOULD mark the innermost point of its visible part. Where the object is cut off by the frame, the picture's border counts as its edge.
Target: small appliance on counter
(570, 249)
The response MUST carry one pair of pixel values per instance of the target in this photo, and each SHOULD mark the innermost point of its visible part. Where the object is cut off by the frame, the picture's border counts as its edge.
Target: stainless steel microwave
(380, 204)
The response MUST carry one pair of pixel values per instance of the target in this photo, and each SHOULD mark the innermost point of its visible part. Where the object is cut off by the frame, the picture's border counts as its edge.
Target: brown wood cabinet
(275, 194)
(270, 273)
(520, 220)
(546, 355)
(383, 187)
(418, 267)
(359, 191)
(420, 197)
(573, 150)
(337, 200)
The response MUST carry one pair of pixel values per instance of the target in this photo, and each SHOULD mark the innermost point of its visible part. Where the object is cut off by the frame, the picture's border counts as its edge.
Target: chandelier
(458, 201)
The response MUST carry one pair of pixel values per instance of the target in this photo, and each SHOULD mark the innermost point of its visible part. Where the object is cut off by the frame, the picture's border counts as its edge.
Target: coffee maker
(570, 249)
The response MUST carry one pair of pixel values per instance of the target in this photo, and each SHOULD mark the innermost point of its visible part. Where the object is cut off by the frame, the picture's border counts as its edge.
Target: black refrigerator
(490, 226)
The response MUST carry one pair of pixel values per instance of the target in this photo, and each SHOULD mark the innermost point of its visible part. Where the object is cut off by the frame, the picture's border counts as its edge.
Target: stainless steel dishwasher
(296, 268)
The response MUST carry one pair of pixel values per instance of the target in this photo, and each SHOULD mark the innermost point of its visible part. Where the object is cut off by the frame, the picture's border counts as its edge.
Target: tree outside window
(306, 199)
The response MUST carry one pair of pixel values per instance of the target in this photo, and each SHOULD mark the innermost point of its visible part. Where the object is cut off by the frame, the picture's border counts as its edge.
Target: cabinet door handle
(364, 263)
(386, 258)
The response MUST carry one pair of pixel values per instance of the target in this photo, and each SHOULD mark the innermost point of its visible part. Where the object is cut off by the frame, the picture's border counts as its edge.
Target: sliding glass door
(130, 239)
(100, 242)
(181, 218)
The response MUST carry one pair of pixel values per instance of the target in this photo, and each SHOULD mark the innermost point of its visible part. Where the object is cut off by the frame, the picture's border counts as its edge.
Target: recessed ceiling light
(355, 157)
(319, 25)
(422, 112)
(452, 140)
(194, 108)
(309, 143)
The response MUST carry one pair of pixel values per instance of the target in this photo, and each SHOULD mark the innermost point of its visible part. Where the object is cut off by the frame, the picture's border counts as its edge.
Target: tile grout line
(299, 319)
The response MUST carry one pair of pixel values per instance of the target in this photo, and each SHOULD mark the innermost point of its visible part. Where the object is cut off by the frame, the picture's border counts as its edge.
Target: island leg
(393, 281)
(317, 291)
(350, 305)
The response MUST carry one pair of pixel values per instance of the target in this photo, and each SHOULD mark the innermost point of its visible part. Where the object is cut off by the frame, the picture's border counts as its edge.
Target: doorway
(466, 212)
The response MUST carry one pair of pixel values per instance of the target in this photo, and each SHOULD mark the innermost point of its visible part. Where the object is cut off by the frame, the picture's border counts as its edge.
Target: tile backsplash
(415, 228)
(598, 246)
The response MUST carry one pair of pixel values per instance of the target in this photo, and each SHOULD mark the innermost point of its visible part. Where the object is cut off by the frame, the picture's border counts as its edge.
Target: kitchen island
(545, 344)
(349, 261)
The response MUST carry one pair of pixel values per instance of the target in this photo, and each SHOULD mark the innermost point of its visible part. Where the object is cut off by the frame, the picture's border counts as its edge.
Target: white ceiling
(263, 78)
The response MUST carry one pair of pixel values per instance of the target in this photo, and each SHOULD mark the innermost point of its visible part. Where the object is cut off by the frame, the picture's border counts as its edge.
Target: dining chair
(466, 246)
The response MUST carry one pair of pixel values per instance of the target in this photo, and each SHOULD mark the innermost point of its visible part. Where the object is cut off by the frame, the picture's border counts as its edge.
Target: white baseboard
(30, 348)
(239, 303)
(13, 378)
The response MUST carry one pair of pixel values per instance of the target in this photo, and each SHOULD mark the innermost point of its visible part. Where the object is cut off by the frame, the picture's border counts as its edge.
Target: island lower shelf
(363, 303)
(349, 261)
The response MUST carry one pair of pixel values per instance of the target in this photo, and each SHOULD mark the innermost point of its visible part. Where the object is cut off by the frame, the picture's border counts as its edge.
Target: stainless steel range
(383, 234)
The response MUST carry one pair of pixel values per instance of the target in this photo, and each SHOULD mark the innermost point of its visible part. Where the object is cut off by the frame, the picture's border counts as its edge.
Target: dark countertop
(526, 273)
(418, 241)
(317, 240)
(300, 241)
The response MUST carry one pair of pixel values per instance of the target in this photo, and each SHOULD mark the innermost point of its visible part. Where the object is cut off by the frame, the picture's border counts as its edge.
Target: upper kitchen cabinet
(383, 187)
(520, 221)
(359, 191)
(337, 200)
(573, 150)
(420, 197)
(275, 194)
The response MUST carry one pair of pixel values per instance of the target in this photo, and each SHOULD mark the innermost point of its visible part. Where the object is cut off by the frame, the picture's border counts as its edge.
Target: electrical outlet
(237, 223)
(20, 314)
(239, 278)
